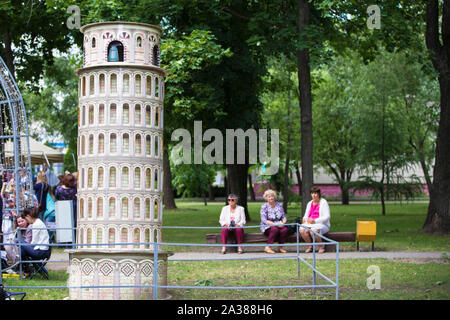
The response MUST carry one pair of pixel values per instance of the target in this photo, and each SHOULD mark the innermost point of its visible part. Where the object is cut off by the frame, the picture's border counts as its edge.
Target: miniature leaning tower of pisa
(120, 137)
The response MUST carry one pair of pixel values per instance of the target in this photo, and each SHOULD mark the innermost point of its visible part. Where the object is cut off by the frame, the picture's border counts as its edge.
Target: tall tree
(55, 106)
(280, 100)
(29, 32)
(188, 92)
(437, 220)
(304, 85)
(237, 79)
(299, 28)
(337, 99)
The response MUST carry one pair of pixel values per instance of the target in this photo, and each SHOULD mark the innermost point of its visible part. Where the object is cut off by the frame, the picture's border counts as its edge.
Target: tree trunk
(9, 56)
(438, 216)
(227, 187)
(288, 156)
(168, 199)
(304, 84)
(299, 178)
(286, 180)
(437, 220)
(426, 174)
(383, 162)
(211, 195)
(345, 197)
(237, 184)
(251, 189)
(381, 189)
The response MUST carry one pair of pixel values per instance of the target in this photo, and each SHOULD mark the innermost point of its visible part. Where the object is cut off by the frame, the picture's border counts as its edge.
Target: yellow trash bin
(366, 232)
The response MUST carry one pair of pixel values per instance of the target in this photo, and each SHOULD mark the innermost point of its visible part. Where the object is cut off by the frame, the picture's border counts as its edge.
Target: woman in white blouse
(38, 248)
(231, 218)
(317, 218)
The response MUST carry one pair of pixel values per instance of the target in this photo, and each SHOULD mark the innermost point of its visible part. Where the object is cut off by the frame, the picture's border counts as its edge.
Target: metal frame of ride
(14, 132)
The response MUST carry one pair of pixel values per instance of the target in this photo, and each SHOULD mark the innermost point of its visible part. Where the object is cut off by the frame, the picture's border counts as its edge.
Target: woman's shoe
(268, 250)
(240, 251)
(321, 250)
(224, 251)
(281, 250)
(310, 249)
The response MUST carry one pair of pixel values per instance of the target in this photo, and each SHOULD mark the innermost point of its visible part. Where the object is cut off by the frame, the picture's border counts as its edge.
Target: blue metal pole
(155, 271)
(337, 271)
(20, 254)
(314, 261)
(298, 251)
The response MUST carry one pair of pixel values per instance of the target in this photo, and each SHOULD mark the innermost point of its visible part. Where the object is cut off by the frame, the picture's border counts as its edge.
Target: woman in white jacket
(38, 248)
(317, 218)
(232, 217)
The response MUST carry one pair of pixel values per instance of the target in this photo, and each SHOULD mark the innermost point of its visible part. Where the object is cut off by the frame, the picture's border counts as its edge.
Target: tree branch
(234, 13)
(433, 43)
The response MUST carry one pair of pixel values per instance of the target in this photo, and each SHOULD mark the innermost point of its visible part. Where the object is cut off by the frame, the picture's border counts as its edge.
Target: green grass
(56, 279)
(400, 280)
(399, 230)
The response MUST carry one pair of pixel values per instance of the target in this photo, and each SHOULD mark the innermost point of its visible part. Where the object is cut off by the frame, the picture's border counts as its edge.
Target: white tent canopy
(38, 152)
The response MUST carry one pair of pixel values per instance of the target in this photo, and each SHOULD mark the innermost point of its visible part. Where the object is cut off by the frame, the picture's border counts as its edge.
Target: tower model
(120, 137)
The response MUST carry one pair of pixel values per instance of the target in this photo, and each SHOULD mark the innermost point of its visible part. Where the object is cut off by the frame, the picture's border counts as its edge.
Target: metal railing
(156, 251)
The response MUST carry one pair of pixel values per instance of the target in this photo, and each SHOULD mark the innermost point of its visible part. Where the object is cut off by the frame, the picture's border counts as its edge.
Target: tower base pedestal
(107, 268)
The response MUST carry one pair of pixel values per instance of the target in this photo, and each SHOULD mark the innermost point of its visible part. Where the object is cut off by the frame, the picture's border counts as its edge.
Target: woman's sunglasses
(231, 199)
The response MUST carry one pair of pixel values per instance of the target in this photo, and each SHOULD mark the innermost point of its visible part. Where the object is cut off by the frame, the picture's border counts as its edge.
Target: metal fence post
(155, 271)
(298, 251)
(314, 261)
(337, 271)
(20, 252)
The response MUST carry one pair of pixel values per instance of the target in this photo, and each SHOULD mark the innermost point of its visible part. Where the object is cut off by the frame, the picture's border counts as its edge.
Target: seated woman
(317, 218)
(39, 248)
(273, 219)
(24, 236)
(232, 215)
(27, 234)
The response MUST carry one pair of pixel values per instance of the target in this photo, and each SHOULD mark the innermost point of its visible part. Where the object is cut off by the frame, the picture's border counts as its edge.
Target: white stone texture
(120, 171)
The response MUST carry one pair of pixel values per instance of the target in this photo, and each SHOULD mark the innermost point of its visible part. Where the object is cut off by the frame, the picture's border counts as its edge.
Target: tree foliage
(30, 31)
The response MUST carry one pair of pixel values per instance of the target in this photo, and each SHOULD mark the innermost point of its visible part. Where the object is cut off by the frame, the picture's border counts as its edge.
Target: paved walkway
(61, 260)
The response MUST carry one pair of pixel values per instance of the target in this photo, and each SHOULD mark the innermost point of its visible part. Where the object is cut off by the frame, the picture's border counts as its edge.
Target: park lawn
(398, 230)
(399, 280)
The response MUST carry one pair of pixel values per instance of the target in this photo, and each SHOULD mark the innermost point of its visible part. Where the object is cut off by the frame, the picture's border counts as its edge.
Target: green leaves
(185, 59)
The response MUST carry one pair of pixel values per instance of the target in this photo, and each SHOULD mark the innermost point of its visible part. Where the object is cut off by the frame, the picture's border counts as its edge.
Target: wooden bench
(258, 237)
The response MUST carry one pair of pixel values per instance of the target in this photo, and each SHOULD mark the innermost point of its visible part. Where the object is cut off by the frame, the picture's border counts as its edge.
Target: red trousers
(238, 232)
(275, 233)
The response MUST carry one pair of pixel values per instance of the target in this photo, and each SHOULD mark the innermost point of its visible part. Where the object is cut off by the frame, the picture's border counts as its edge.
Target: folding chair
(5, 295)
(38, 267)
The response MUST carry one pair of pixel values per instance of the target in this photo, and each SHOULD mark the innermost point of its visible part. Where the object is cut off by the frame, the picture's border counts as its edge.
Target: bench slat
(258, 237)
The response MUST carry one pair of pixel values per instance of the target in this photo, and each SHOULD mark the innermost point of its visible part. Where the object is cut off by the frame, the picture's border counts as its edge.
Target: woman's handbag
(293, 227)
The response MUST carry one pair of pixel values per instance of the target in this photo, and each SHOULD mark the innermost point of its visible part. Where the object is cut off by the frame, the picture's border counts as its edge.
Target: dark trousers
(27, 250)
(238, 232)
(275, 233)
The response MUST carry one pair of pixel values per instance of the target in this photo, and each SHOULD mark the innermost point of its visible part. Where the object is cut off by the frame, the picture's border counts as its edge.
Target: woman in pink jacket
(317, 218)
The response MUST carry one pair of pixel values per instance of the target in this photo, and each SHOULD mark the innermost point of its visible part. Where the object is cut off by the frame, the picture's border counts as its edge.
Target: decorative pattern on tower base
(115, 268)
